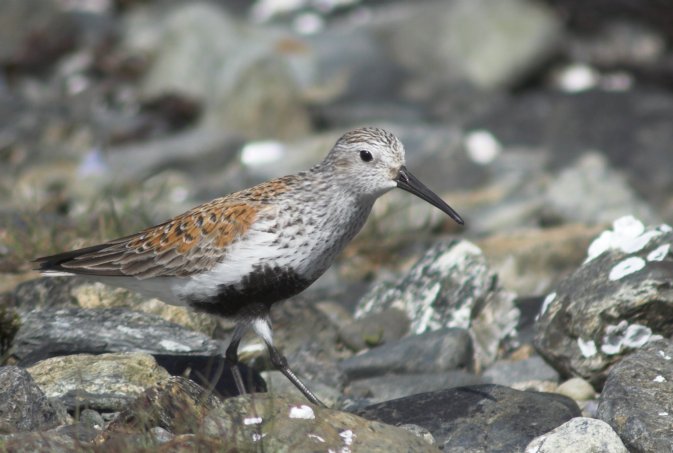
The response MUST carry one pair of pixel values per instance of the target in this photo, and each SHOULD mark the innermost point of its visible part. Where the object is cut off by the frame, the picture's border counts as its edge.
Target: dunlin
(239, 254)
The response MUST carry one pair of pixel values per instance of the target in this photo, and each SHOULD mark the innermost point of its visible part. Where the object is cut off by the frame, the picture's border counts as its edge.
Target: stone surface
(34, 33)
(23, 405)
(46, 441)
(374, 329)
(392, 386)
(478, 418)
(278, 424)
(506, 372)
(577, 389)
(439, 350)
(177, 405)
(450, 286)
(589, 191)
(614, 303)
(431, 41)
(637, 399)
(581, 435)
(105, 382)
(46, 292)
(532, 260)
(63, 331)
(593, 120)
(245, 84)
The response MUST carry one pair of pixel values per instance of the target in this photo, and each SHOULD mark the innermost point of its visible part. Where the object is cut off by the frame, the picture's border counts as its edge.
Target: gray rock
(392, 386)
(23, 406)
(618, 43)
(277, 424)
(478, 418)
(50, 292)
(52, 441)
(580, 435)
(591, 192)
(106, 382)
(79, 432)
(44, 292)
(34, 33)
(246, 86)
(594, 120)
(92, 419)
(177, 405)
(577, 389)
(450, 286)
(506, 372)
(614, 303)
(533, 260)
(374, 329)
(506, 39)
(63, 331)
(637, 399)
(439, 350)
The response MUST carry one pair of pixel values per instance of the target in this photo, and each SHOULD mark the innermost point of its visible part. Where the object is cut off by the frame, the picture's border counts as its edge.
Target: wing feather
(187, 244)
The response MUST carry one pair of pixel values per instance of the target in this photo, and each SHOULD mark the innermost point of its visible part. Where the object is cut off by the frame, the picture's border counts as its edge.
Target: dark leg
(280, 362)
(262, 327)
(231, 356)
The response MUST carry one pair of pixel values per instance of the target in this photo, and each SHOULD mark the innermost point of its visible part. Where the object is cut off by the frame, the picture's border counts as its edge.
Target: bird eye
(366, 156)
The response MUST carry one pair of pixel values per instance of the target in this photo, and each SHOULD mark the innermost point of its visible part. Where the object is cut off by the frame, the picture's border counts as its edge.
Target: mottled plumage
(239, 254)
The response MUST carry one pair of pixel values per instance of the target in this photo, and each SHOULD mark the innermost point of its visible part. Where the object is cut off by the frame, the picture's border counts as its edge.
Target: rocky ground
(544, 325)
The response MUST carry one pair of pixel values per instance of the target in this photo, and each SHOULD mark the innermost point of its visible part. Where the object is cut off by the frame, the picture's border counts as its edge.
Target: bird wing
(188, 244)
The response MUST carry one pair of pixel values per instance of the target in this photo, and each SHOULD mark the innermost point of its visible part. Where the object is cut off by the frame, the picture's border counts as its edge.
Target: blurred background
(539, 121)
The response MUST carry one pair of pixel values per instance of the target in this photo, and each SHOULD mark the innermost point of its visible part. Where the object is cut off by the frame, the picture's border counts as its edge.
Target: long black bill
(410, 183)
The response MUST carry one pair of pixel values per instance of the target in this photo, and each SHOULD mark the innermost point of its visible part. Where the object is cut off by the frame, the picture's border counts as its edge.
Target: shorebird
(238, 255)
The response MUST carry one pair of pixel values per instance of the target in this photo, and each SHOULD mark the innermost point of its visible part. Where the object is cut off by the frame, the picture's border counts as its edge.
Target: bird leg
(280, 362)
(231, 356)
(262, 327)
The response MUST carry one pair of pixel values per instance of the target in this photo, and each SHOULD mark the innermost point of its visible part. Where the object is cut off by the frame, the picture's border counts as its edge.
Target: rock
(581, 435)
(654, 14)
(619, 43)
(392, 386)
(91, 419)
(509, 373)
(591, 192)
(276, 424)
(34, 33)
(177, 405)
(78, 432)
(478, 418)
(450, 286)
(245, 84)
(23, 406)
(577, 389)
(105, 382)
(614, 303)
(66, 291)
(593, 120)
(64, 331)
(531, 261)
(506, 40)
(637, 399)
(39, 441)
(44, 292)
(374, 329)
(433, 351)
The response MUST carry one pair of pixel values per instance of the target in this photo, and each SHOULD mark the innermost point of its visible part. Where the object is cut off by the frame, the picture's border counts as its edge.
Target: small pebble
(577, 389)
